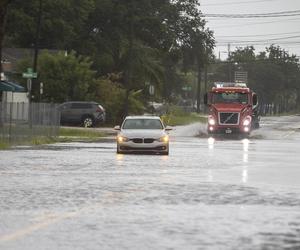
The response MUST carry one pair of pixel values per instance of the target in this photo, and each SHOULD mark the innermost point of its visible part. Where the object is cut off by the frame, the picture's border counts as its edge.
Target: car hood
(229, 107)
(142, 133)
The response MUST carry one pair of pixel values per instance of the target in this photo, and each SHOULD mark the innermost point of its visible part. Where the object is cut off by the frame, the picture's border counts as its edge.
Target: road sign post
(29, 75)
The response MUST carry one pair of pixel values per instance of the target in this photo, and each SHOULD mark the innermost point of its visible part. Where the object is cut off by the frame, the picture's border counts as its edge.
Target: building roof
(11, 86)
(11, 56)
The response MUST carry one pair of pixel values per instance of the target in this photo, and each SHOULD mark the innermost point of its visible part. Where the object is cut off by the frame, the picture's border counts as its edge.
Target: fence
(22, 122)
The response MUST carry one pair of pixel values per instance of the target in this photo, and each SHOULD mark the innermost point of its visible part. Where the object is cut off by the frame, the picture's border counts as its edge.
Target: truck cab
(232, 109)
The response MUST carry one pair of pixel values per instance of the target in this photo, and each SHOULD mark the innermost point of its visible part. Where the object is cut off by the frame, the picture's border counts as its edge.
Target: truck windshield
(232, 97)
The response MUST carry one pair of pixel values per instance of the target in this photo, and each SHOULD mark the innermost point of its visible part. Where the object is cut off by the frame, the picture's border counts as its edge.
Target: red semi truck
(232, 109)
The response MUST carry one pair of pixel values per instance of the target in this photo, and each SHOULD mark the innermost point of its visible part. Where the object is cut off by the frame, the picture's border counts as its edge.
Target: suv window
(81, 106)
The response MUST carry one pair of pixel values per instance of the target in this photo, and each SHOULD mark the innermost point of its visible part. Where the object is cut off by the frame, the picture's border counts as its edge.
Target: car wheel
(118, 150)
(88, 121)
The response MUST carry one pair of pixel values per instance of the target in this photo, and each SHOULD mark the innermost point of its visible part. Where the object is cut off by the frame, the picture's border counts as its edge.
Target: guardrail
(21, 122)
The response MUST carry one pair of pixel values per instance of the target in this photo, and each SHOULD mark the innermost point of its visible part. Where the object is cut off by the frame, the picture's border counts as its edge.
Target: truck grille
(229, 118)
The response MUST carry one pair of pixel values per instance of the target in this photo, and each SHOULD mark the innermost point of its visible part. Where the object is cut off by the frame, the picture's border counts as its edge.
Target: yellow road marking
(52, 219)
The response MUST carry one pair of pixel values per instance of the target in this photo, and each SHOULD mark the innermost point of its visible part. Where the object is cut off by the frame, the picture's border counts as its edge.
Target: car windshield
(232, 97)
(142, 124)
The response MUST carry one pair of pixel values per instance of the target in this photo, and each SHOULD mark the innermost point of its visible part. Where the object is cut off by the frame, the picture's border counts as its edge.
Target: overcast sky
(259, 32)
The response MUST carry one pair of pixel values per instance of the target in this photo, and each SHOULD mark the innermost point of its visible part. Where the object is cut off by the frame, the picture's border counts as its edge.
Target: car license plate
(228, 131)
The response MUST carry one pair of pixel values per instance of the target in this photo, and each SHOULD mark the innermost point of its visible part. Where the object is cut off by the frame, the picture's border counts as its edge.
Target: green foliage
(111, 95)
(180, 118)
(62, 22)
(3, 145)
(273, 74)
(65, 77)
(141, 40)
(80, 132)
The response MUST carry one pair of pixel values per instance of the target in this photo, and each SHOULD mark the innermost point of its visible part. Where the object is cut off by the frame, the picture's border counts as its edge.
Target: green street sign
(29, 74)
(187, 88)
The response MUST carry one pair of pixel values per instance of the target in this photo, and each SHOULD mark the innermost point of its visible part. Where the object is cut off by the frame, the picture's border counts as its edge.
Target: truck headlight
(247, 121)
(211, 121)
(164, 138)
(122, 139)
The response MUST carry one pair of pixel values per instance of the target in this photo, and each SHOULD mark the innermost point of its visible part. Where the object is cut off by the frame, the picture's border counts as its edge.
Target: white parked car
(143, 134)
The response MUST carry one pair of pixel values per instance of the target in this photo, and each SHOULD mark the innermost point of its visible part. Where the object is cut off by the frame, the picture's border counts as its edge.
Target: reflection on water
(246, 143)
(119, 158)
(210, 176)
(245, 175)
(211, 143)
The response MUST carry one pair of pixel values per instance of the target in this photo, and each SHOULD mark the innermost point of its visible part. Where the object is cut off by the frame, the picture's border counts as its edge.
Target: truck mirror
(254, 100)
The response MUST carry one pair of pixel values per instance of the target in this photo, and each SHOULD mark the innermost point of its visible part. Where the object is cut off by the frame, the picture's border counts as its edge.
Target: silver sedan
(143, 134)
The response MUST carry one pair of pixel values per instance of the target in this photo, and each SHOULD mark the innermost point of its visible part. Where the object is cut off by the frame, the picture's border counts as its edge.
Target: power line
(257, 23)
(261, 15)
(241, 43)
(236, 3)
(262, 35)
(271, 39)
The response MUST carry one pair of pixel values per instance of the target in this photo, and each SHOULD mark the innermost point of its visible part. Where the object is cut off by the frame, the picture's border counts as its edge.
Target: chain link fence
(23, 122)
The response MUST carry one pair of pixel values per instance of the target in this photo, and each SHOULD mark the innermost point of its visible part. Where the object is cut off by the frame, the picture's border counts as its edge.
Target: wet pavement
(207, 194)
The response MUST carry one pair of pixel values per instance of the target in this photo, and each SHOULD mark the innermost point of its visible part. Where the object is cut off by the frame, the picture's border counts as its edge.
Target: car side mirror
(168, 128)
(117, 128)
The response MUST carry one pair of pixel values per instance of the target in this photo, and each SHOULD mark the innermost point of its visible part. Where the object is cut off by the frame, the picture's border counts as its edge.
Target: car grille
(148, 140)
(229, 118)
(137, 140)
(141, 140)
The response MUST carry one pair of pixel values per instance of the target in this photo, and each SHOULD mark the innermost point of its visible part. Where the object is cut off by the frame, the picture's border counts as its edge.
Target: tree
(65, 77)
(62, 22)
(3, 13)
(273, 74)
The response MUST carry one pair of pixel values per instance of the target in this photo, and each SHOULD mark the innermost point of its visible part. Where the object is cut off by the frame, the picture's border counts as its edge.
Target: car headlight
(164, 138)
(122, 138)
(247, 121)
(211, 121)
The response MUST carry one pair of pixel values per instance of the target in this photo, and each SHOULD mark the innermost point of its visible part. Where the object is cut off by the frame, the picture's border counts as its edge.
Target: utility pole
(37, 41)
(229, 64)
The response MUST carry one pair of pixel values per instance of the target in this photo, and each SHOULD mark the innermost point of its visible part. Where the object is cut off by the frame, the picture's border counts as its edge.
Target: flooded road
(207, 194)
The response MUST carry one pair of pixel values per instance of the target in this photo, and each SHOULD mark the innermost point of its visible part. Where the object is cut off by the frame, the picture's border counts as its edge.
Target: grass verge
(83, 133)
(174, 119)
(3, 145)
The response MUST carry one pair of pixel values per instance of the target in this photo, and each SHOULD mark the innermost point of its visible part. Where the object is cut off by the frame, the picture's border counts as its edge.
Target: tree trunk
(3, 12)
(2, 26)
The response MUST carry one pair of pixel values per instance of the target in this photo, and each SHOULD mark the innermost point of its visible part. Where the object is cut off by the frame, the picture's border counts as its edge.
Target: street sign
(151, 89)
(29, 74)
(187, 88)
(241, 76)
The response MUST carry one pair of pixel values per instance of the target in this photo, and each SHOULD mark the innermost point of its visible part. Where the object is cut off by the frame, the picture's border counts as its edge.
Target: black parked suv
(87, 114)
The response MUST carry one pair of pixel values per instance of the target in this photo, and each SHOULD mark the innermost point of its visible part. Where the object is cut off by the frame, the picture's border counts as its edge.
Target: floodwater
(207, 194)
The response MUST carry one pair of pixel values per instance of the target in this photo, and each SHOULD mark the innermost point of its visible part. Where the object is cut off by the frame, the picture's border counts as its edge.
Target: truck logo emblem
(228, 118)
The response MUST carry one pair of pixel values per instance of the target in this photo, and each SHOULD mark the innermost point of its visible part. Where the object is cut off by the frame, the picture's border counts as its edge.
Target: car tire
(119, 151)
(87, 121)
